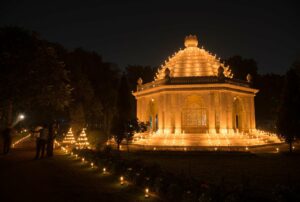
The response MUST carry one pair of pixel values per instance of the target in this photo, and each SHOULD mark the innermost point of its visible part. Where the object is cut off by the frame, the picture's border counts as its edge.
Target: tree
(132, 127)
(95, 86)
(120, 125)
(267, 100)
(33, 77)
(240, 67)
(288, 117)
(134, 72)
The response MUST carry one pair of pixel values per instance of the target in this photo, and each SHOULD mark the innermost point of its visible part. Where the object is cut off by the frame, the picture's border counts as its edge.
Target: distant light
(21, 116)
(146, 193)
(121, 180)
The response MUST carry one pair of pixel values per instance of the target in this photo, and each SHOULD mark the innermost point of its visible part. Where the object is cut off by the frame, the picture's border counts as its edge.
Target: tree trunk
(118, 146)
(9, 113)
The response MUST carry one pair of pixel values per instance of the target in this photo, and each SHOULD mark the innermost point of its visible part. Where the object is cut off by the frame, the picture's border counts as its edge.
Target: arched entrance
(237, 115)
(194, 115)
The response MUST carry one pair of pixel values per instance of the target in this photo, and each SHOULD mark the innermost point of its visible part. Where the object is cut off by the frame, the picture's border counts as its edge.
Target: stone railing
(192, 80)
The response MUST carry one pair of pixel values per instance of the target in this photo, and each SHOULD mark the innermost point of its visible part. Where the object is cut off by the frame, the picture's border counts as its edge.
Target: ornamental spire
(191, 41)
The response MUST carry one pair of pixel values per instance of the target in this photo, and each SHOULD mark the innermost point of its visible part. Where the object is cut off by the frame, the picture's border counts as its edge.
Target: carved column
(212, 113)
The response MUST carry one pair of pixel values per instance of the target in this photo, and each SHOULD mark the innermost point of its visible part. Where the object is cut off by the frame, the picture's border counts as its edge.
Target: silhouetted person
(42, 141)
(6, 135)
(51, 137)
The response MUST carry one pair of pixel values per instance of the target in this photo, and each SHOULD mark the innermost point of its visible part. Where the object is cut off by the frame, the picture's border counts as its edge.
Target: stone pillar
(160, 107)
(177, 114)
(229, 113)
(223, 113)
(167, 112)
(211, 113)
(144, 110)
(252, 113)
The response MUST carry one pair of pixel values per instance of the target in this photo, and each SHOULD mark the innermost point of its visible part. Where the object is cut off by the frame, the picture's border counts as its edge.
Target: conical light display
(82, 141)
(69, 138)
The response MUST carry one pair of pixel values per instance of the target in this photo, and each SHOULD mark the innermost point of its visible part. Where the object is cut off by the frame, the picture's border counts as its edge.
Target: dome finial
(191, 41)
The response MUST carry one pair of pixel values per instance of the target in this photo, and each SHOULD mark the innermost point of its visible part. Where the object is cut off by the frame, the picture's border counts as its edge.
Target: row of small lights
(104, 170)
(20, 140)
(216, 149)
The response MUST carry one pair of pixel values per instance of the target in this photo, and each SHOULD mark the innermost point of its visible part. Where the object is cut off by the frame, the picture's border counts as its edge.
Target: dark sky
(147, 32)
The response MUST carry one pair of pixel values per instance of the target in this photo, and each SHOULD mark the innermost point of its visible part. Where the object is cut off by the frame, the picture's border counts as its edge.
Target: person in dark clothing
(6, 135)
(51, 137)
(41, 142)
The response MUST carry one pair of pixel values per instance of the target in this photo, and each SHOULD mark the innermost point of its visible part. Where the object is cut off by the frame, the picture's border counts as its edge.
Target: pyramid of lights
(82, 141)
(69, 138)
(194, 100)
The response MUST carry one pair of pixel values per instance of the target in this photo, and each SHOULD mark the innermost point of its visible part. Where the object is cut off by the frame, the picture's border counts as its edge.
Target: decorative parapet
(192, 80)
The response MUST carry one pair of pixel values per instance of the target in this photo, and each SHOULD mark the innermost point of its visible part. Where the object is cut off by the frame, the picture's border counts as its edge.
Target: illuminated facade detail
(195, 95)
(192, 61)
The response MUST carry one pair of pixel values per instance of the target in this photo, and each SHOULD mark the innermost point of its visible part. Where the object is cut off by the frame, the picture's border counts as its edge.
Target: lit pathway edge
(104, 170)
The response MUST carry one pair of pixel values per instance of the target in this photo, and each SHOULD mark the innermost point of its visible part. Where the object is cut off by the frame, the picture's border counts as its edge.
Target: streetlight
(21, 116)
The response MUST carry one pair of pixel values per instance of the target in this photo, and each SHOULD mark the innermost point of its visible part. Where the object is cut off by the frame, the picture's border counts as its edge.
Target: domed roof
(192, 62)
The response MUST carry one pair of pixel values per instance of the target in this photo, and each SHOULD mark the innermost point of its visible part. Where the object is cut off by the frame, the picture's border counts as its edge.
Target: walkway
(60, 178)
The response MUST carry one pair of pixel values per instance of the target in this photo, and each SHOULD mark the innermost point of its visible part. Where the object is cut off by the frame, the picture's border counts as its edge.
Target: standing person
(51, 137)
(42, 141)
(6, 135)
(36, 135)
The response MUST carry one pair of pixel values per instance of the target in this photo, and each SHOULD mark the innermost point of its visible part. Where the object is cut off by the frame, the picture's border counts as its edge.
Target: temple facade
(195, 93)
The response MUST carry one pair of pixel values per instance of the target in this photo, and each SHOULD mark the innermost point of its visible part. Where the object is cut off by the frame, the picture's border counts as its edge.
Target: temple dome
(192, 62)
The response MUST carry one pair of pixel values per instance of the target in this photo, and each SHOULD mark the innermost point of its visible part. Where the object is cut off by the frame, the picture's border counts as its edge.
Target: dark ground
(61, 178)
(262, 169)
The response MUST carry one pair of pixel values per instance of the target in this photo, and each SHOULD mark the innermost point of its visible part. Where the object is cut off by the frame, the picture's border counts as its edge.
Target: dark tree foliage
(240, 67)
(269, 85)
(134, 72)
(267, 100)
(95, 89)
(123, 99)
(288, 117)
(33, 77)
(121, 122)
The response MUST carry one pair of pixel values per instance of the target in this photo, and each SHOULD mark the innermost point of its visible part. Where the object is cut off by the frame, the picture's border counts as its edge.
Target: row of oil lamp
(20, 140)
(104, 169)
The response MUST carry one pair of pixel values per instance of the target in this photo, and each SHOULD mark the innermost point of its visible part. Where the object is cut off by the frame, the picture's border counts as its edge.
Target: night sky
(147, 32)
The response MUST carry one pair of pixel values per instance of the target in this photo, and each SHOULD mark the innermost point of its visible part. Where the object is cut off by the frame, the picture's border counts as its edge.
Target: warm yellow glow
(69, 138)
(104, 170)
(82, 141)
(92, 165)
(192, 61)
(20, 140)
(82, 159)
(146, 192)
(121, 180)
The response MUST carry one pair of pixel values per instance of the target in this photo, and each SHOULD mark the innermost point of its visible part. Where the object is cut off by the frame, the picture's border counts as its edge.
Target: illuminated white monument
(195, 93)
